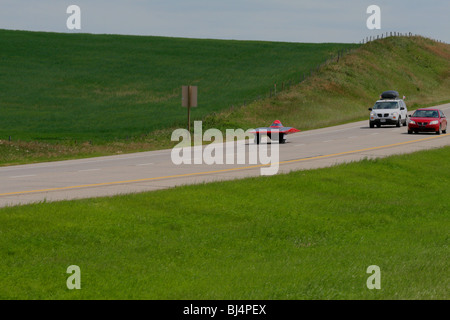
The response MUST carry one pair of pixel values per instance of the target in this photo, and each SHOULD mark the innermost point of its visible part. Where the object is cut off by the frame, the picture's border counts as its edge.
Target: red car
(427, 120)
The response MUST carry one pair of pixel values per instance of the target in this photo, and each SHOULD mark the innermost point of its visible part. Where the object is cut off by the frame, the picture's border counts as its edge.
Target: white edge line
(23, 176)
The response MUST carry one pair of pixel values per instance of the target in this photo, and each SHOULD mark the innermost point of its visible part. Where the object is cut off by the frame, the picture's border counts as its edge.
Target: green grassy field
(102, 88)
(80, 95)
(303, 235)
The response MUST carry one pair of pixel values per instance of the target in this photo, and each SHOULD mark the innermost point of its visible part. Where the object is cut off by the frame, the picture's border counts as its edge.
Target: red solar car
(277, 128)
(427, 120)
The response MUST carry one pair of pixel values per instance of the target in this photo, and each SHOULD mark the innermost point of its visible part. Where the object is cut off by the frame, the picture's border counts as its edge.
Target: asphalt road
(147, 171)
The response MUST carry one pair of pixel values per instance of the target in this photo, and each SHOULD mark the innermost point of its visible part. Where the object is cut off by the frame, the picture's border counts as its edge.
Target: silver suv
(388, 110)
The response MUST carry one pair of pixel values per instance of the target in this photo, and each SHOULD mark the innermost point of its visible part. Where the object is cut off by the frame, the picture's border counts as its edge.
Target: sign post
(188, 100)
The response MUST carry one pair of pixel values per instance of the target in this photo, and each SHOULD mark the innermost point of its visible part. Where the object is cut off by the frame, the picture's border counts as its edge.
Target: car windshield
(426, 114)
(385, 105)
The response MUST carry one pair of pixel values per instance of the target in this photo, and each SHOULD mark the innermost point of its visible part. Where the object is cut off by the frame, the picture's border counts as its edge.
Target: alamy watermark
(231, 152)
(374, 281)
(74, 20)
(74, 280)
(374, 21)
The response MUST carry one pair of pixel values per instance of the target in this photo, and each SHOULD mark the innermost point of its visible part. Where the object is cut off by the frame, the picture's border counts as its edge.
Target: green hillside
(417, 67)
(105, 87)
(68, 96)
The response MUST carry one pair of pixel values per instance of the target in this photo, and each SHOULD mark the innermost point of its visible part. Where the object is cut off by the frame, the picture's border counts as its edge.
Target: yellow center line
(219, 171)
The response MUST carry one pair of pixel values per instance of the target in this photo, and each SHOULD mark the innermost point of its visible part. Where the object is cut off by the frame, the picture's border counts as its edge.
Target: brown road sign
(188, 100)
(189, 96)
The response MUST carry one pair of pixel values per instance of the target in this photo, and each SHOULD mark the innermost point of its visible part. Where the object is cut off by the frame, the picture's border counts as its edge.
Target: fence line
(393, 34)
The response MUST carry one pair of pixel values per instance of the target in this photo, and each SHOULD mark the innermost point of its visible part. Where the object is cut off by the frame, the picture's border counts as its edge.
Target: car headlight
(434, 122)
(395, 114)
(412, 122)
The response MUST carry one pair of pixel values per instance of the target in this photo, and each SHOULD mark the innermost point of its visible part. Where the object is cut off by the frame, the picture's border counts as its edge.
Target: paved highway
(147, 171)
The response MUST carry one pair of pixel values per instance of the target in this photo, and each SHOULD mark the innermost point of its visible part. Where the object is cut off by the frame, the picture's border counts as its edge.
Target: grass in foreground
(303, 235)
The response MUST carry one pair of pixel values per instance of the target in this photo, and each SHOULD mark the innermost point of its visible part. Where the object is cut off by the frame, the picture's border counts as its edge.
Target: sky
(269, 20)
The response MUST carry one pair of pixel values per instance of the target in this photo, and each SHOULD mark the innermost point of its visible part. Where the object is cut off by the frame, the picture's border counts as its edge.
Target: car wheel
(405, 123)
(399, 122)
(439, 131)
(444, 131)
(410, 131)
(371, 125)
(257, 138)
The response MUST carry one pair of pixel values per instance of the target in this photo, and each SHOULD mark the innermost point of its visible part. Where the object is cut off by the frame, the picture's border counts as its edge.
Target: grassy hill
(77, 95)
(417, 67)
(101, 88)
